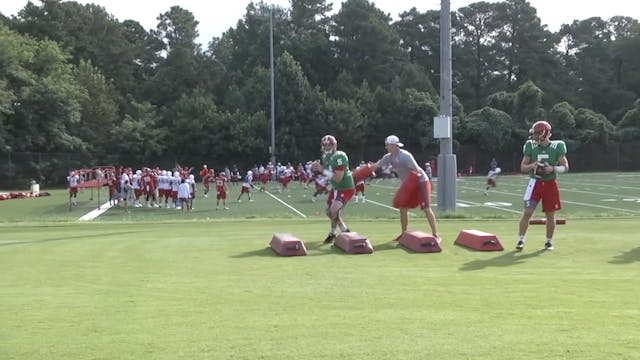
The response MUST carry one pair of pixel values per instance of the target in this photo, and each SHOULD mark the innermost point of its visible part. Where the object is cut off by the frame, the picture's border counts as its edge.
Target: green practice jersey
(339, 160)
(545, 154)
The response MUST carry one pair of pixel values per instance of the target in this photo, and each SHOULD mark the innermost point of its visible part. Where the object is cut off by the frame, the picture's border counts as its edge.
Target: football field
(156, 283)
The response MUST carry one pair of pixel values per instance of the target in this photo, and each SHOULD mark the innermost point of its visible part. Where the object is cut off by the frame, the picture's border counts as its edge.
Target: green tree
(310, 42)
(140, 135)
(367, 46)
(490, 129)
(628, 129)
(178, 73)
(98, 108)
(420, 39)
(475, 53)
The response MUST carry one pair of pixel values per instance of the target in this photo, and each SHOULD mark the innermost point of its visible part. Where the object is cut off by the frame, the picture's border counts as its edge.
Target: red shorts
(342, 195)
(221, 195)
(73, 190)
(137, 192)
(284, 180)
(547, 191)
(491, 181)
(264, 178)
(360, 188)
(413, 193)
(244, 190)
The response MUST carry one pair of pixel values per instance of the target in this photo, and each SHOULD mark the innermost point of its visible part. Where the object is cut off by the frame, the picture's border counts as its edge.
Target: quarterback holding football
(543, 159)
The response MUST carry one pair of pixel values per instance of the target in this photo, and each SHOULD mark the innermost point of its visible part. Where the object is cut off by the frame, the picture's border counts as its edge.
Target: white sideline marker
(96, 212)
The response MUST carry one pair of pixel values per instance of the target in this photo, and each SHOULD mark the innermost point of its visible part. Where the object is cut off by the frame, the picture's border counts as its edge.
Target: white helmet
(138, 172)
(191, 176)
(176, 174)
(163, 173)
(249, 172)
(328, 144)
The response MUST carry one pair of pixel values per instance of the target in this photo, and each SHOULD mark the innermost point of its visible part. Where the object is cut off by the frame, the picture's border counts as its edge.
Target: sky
(217, 16)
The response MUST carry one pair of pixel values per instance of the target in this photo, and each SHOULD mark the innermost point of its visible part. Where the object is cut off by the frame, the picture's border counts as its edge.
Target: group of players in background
(177, 188)
(542, 159)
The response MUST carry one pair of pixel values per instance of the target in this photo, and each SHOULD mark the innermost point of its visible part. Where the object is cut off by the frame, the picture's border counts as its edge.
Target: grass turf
(156, 283)
(214, 290)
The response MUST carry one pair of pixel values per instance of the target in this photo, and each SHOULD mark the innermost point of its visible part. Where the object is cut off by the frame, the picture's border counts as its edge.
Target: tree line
(74, 79)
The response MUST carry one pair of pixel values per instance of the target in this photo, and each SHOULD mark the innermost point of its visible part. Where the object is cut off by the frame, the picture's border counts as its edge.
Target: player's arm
(563, 165)
(380, 163)
(338, 174)
(527, 165)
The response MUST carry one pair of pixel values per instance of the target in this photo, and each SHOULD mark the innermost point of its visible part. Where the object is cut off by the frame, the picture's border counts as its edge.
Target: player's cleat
(226, 208)
(520, 245)
(330, 238)
(398, 238)
(548, 246)
(347, 230)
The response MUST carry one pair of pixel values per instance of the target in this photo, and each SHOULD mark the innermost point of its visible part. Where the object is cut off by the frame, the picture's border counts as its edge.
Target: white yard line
(490, 206)
(388, 207)
(565, 201)
(96, 212)
(285, 204)
(601, 185)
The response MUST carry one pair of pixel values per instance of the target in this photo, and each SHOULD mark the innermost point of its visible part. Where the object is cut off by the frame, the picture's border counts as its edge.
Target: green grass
(159, 284)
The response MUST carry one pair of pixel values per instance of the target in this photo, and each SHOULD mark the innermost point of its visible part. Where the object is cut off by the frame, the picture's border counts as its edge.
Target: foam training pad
(353, 243)
(543, 221)
(287, 245)
(362, 173)
(419, 241)
(478, 240)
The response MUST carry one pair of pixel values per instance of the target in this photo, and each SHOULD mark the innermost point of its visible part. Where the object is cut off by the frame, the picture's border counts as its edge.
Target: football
(316, 167)
(540, 169)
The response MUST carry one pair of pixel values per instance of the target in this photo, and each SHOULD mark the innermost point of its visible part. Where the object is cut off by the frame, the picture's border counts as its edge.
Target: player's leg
(550, 204)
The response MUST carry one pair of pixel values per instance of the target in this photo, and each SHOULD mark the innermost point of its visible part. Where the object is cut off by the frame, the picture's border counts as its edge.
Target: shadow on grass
(320, 248)
(513, 257)
(628, 257)
(62, 238)
(391, 245)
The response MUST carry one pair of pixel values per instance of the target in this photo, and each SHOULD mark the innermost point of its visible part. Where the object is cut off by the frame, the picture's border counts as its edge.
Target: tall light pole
(272, 148)
(442, 127)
